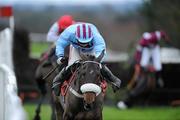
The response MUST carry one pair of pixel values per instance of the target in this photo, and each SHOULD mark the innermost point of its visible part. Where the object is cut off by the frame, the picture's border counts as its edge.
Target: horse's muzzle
(89, 98)
(90, 91)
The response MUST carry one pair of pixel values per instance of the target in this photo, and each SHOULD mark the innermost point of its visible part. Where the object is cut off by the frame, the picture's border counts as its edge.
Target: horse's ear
(99, 58)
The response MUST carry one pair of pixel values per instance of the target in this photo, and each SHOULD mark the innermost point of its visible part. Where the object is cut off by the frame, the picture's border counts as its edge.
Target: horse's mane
(83, 69)
(90, 57)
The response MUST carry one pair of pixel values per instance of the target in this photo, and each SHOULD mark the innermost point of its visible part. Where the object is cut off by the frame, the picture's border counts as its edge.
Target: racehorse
(84, 92)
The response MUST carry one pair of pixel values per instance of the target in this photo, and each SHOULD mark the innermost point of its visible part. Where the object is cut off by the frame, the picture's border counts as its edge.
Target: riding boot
(59, 79)
(108, 75)
(64, 74)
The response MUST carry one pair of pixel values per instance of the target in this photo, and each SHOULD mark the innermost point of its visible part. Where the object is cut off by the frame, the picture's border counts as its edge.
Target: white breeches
(151, 53)
(74, 55)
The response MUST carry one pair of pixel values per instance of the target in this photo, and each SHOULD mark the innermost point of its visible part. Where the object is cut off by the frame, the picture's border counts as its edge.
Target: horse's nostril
(87, 107)
(89, 97)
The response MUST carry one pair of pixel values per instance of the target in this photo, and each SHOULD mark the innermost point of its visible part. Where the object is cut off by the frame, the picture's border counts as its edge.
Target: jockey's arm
(61, 44)
(99, 46)
(138, 53)
(165, 36)
(99, 43)
(53, 35)
(162, 35)
(144, 42)
(53, 45)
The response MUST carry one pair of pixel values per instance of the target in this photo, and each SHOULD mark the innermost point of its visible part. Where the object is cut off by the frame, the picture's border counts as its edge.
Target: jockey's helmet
(84, 35)
(65, 21)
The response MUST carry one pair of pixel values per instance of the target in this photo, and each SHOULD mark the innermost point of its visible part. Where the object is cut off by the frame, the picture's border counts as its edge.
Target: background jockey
(147, 53)
(82, 37)
(53, 34)
(148, 50)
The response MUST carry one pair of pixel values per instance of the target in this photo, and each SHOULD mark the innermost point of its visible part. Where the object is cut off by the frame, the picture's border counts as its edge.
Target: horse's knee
(55, 99)
(58, 108)
(68, 116)
(98, 117)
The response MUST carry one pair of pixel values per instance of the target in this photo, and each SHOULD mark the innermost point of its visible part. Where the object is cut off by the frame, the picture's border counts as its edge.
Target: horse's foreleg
(68, 116)
(58, 108)
(53, 115)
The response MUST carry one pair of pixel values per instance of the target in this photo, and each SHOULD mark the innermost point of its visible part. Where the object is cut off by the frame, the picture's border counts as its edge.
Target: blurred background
(121, 23)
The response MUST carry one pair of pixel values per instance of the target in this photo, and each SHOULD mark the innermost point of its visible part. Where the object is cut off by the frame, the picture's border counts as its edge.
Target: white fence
(6, 47)
(170, 55)
(10, 104)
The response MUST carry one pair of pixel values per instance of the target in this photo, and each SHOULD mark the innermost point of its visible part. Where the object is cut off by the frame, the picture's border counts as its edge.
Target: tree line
(164, 15)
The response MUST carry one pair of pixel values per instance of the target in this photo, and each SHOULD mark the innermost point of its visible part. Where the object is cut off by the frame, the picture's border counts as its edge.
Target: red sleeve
(138, 56)
(143, 42)
(138, 53)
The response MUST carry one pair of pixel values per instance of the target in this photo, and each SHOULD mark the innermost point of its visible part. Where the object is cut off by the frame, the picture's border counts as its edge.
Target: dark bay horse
(84, 92)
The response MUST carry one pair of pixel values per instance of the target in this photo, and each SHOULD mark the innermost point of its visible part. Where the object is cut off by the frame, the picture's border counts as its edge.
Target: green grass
(157, 113)
(111, 113)
(45, 111)
(37, 48)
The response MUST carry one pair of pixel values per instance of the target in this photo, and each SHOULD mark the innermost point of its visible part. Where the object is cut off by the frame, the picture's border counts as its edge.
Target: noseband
(79, 95)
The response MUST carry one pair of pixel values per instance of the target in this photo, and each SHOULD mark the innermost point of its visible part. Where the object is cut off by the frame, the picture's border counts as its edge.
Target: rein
(74, 92)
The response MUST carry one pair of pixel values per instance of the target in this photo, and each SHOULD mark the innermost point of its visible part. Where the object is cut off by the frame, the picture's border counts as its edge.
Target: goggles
(85, 45)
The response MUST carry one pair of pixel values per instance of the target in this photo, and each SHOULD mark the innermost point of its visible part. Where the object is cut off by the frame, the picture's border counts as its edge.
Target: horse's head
(89, 78)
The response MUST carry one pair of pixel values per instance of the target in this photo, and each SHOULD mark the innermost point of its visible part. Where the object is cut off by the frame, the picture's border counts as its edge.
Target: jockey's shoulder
(146, 36)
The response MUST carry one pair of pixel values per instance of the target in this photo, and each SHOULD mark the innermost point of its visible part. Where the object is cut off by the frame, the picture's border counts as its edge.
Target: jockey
(147, 53)
(148, 48)
(82, 37)
(56, 29)
(53, 34)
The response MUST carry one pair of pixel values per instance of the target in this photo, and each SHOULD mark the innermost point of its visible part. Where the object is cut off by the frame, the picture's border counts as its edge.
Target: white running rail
(10, 104)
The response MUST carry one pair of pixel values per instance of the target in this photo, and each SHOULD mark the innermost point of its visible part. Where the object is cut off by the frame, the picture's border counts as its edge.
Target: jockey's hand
(61, 60)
